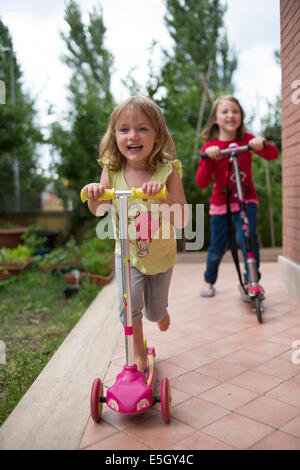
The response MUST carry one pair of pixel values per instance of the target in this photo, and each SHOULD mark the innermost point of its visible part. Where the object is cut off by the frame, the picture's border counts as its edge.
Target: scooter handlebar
(243, 148)
(106, 196)
(135, 193)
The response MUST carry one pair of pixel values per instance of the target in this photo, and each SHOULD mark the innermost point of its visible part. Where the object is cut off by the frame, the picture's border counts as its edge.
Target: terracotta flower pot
(99, 280)
(11, 237)
(72, 279)
(96, 279)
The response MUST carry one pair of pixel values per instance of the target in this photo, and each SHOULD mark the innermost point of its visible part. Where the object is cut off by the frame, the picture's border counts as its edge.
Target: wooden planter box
(96, 279)
(14, 269)
(100, 280)
(11, 237)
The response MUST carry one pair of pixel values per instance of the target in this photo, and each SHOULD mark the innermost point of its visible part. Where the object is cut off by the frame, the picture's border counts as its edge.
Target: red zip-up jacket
(217, 169)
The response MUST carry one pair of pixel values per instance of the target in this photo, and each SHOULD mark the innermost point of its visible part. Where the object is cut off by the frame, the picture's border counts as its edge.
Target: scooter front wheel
(258, 308)
(96, 403)
(165, 400)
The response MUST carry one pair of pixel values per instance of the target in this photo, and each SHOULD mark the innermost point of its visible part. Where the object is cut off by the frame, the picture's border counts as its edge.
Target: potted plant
(32, 240)
(15, 260)
(10, 235)
(47, 238)
(52, 261)
(99, 267)
(61, 258)
(92, 244)
(73, 277)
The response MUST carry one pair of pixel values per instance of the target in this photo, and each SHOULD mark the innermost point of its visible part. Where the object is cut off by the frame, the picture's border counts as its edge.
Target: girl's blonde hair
(109, 151)
(211, 130)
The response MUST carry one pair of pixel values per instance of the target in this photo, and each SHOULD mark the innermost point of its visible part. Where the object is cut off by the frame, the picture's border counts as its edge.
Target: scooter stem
(234, 151)
(126, 280)
(123, 196)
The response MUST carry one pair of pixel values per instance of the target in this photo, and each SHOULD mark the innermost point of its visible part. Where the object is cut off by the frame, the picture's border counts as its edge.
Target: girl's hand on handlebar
(213, 152)
(257, 143)
(152, 188)
(93, 191)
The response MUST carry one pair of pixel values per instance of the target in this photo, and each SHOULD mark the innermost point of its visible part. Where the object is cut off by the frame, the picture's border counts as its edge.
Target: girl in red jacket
(226, 126)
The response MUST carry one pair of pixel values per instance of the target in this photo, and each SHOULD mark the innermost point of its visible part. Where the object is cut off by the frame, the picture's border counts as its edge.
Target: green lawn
(35, 318)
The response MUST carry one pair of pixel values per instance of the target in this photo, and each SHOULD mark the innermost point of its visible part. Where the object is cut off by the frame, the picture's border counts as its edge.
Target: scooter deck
(244, 296)
(131, 393)
(249, 299)
(151, 370)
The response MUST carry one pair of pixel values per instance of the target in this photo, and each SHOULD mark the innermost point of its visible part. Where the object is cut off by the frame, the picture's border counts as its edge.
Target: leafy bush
(61, 257)
(96, 244)
(32, 240)
(93, 255)
(15, 256)
(97, 263)
(96, 254)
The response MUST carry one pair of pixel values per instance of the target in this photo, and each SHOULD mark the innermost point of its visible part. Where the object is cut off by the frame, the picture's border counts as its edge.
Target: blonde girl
(138, 151)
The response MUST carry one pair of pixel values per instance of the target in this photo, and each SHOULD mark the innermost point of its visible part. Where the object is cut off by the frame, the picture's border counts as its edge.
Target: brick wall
(290, 62)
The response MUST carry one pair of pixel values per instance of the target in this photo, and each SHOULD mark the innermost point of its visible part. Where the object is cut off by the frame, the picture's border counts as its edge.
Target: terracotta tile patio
(234, 384)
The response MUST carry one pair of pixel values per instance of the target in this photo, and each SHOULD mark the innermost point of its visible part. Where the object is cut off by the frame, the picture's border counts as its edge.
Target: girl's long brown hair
(211, 130)
(109, 151)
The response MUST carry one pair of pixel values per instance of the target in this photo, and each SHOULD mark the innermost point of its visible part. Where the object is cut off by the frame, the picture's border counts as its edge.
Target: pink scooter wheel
(165, 400)
(96, 404)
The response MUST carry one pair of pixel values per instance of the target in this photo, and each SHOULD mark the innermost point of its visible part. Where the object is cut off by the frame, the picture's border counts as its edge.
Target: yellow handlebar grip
(107, 195)
(137, 193)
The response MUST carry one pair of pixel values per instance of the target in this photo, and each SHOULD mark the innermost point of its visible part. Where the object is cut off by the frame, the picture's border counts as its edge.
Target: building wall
(290, 63)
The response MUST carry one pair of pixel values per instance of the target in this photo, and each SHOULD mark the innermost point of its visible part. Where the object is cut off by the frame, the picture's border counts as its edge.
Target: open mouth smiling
(134, 147)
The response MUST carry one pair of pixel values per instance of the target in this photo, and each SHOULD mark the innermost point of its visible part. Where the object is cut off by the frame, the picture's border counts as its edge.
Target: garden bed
(35, 318)
(36, 310)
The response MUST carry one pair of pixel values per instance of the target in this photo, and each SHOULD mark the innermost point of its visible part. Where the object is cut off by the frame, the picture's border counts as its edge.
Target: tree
(90, 100)
(19, 134)
(263, 217)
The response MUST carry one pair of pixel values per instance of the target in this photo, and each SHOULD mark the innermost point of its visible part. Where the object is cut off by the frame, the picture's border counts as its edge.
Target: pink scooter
(132, 392)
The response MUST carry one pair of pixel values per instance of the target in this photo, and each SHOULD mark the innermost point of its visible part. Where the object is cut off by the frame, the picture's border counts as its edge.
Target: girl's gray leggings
(149, 293)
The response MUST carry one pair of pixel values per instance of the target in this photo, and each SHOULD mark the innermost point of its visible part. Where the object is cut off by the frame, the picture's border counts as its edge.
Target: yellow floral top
(152, 237)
